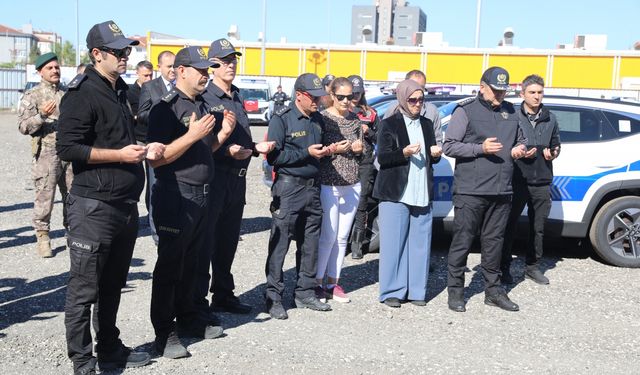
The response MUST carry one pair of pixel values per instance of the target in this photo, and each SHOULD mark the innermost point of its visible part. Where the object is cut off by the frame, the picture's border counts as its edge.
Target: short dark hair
(163, 53)
(414, 73)
(144, 64)
(532, 79)
(81, 66)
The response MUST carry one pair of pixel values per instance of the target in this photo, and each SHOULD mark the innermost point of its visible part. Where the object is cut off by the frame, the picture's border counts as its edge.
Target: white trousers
(339, 206)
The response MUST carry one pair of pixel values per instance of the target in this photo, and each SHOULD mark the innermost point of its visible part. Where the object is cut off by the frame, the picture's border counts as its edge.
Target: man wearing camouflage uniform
(38, 117)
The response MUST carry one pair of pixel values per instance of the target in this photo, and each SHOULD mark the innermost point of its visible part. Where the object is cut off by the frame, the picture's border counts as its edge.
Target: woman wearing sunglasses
(404, 186)
(339, 187)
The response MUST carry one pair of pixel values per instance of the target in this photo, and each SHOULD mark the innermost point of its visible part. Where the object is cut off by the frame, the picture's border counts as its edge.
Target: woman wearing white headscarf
(406, 152)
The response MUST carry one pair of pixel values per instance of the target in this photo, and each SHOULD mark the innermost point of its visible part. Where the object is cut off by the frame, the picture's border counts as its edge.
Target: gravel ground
(586, 322)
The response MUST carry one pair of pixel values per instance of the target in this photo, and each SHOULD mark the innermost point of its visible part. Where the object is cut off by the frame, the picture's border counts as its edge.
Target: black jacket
(293, 133)
(133, 94)
(394, 166)
(546, 134)
(150, 94)
(92, 114)
(477, 173)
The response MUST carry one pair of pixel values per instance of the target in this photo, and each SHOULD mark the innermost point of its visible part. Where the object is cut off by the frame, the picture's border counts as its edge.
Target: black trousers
(226, 206)
(537, 198)
(297, 215)
(101, 239)
(367, 173)
(180, 212)
(488, 214)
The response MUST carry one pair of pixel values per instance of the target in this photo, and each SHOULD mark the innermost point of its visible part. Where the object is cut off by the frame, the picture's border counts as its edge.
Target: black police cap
(195, 57)
(310, 83)
(108, 34)
(357, 83)
(496, 77)
(222, 48)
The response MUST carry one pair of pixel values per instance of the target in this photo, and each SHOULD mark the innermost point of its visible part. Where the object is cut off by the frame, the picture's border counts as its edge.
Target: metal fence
(11, 82)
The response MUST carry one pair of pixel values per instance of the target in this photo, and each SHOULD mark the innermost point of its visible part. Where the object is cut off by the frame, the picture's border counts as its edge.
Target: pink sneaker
(338, 294)
(320, 294)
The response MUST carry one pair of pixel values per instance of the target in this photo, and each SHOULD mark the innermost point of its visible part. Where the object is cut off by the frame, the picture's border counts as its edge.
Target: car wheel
(615, 232)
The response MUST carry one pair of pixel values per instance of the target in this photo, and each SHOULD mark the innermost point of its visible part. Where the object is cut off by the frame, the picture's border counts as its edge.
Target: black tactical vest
(487, 174)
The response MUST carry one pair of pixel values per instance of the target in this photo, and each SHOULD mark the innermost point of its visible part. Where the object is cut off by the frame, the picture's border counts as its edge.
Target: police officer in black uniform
(297, 214)
(278, 99)
(227, 198)
(180, 200)
(95, 133)
(484, 138)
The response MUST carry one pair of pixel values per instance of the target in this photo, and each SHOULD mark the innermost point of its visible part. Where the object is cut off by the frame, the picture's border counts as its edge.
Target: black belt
(240, 172)
(183, 187)
(298, 180)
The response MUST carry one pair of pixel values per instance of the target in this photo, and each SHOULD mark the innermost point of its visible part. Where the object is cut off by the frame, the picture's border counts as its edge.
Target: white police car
(596, 188)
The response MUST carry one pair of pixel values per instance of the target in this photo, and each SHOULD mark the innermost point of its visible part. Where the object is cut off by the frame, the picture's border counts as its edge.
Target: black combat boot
(456, 299)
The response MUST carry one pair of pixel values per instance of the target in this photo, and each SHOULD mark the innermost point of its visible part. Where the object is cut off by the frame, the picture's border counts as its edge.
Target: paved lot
(586, 322)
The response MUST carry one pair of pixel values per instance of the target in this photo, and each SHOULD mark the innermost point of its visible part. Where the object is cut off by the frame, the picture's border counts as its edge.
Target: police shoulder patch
(169, 96)
(76, 81)
(466, 101)
(282, 111)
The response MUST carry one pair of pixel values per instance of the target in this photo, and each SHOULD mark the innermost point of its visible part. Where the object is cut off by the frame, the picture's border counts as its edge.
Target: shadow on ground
(22, 300)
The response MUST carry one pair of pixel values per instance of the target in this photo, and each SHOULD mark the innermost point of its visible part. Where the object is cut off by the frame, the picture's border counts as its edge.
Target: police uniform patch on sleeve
(466, 101)
(170, 95)
(282, 111)
(76, 81)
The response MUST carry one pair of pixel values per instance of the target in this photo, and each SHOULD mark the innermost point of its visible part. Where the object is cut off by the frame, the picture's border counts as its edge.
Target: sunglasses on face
(414, 101)
(311, 97)
(118, 53)
(343, 97)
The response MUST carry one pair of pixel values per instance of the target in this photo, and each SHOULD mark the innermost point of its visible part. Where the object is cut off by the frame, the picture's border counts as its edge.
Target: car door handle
(608, 166)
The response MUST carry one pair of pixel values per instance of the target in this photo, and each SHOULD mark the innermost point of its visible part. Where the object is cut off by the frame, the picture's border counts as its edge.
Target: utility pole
(264, 37)
(77, 33)
(478, 7)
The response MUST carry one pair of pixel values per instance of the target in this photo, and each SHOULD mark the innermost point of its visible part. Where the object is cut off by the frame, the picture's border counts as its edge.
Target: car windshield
(254, 94)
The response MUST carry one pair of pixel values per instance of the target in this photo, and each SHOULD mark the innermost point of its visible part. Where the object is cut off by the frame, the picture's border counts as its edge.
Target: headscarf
(403, 92)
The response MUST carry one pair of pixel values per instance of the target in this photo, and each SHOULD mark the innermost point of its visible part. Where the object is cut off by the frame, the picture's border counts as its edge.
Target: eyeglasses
(118, 53)
(343, 97)
(414, 101)
(228, 61)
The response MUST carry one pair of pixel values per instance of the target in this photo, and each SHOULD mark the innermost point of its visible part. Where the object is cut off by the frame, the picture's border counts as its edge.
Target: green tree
(66, 53)
(34, 53)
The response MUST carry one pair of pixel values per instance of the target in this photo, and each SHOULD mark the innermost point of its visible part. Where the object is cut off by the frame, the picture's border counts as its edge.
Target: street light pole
(478, 7)
(77, 33)
(264, 36)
